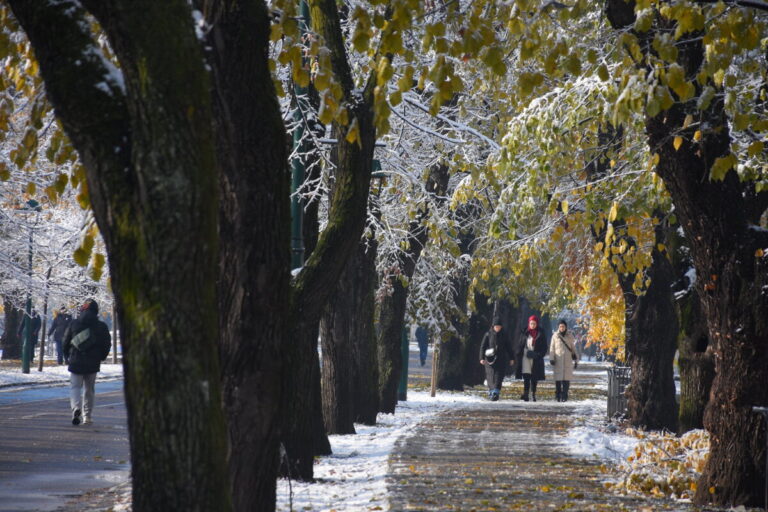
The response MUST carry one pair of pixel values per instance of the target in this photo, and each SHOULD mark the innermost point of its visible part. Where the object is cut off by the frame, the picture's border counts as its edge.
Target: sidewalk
(506, 455)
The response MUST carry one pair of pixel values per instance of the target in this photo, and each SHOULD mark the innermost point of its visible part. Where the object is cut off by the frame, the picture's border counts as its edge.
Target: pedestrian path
(507, 455)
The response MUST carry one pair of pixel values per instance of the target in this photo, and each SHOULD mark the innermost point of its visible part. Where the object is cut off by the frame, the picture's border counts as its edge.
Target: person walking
(58, 328)
(422, 338)
(86, 344)
(562, 355)
(530, 353)
(496, 354)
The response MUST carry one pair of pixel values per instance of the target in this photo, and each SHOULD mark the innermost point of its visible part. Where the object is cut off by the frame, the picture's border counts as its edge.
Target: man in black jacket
(496, 354)
(58, 329)
(86, 345)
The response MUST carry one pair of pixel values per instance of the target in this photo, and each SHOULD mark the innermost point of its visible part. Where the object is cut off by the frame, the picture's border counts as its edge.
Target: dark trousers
(423, 353)
(529, 384)
(561, 390)
(494, 374)
(59, 352)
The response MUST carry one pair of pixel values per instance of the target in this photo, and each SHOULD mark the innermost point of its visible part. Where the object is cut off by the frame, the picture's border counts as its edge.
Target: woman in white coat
(562, 355)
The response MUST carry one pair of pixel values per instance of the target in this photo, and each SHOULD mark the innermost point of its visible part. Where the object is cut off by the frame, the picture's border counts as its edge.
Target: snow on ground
(592, 437)
(12, 378)
(353, 478)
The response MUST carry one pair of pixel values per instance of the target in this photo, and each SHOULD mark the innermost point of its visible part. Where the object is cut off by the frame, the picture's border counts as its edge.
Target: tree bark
(348, 357)
(451, 358)
(254, 229)
(10, 342)
(479, 322)
(392, 307)
(695, 360)
(303, 435)
(651, 330)
(718, 219)
(365, 386)
(149, 154)
(453, 352)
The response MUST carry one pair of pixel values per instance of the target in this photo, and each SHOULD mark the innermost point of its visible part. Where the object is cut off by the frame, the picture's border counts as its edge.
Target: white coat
(563, 369)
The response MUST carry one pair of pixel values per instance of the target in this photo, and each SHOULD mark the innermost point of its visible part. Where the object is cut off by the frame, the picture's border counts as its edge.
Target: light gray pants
(82, 386)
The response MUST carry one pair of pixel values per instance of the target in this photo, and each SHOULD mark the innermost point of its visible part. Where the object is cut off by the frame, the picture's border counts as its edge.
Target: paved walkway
(506, 455)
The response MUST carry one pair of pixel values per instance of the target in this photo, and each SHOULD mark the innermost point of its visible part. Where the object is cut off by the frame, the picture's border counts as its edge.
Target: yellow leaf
(677, 142)
(759, 253)
(688, 121)
(564, 206)
(353, 133)
(711, 490)
(613, 212)
(697, 135)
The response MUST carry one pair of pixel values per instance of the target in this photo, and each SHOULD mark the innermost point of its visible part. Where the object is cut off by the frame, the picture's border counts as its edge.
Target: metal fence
(618, 380)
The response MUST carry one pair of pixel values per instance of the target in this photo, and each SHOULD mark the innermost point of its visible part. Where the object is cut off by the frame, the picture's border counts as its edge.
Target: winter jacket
(540, 348)
(83, 362)
(500, 341)
(561, 355)
(35, 323)
(59, 325)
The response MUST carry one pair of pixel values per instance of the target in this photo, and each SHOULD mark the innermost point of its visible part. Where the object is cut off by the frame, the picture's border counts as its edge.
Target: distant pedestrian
(86, 344)
(59, 326)
(496, 354)
(562, 355)
(530, 355)
(422, 338)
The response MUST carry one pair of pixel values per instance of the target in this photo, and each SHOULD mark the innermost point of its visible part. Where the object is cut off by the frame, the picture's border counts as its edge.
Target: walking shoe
(76, 417)
(524, 398)
(533, 398)
(494, 395)
(87, 420)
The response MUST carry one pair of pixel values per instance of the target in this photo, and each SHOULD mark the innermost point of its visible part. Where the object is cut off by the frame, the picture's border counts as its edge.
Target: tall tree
(253, 284)
(145, 138)
(393, 305)
(718, 213)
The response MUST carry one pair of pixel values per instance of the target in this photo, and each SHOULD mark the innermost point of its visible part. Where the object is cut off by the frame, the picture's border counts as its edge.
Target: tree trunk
(350, 373)
(392, 307)
(336, 341)
(365, 386)
(479, 322)
(10, 342)
(315, 283)
(718, 218)
(651, 330)
(254, 255)
(696, 362)
(148, 151)
(453, 352)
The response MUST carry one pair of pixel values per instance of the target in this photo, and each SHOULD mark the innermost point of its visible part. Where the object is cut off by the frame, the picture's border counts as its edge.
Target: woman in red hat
(530, 355)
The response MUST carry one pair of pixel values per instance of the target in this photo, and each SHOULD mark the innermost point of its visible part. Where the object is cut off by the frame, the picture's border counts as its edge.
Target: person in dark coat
(530, 354)
(496, 354)
(86, 344)
(58, 328)
(422, 338)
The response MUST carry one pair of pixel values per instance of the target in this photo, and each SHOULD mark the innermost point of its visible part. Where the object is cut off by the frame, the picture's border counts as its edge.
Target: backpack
(83, 340)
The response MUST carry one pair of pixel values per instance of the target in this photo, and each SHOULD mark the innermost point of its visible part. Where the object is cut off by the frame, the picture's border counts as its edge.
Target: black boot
(526, 387)
(566, 388)
(533, 390)
(558, 390)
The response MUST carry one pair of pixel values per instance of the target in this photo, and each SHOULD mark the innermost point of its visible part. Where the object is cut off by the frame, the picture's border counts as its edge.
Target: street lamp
(28, 346)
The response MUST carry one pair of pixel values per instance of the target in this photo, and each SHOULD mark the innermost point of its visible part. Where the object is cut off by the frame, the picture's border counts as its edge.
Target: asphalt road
(46, 461)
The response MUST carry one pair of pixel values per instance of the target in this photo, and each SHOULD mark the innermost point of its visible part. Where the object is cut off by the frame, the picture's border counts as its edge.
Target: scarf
(535, 332)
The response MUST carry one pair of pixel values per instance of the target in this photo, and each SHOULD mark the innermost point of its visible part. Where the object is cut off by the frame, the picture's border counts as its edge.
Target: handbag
(574, 358)
(491, 352)
(530, 354)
